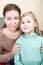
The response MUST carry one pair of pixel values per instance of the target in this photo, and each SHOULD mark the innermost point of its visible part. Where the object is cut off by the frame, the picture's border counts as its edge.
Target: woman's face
(12, 20)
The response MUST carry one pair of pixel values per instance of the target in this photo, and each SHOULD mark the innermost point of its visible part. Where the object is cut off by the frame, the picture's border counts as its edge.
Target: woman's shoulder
(0, 32)
(1, 35)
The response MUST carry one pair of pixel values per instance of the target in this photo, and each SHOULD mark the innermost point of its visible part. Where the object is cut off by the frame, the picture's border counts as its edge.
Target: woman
(9, 34)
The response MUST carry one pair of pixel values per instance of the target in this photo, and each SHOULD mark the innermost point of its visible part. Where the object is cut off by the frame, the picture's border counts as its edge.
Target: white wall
(26, 5)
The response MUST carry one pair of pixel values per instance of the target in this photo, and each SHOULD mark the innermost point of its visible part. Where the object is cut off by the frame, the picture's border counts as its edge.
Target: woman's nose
(13, 22)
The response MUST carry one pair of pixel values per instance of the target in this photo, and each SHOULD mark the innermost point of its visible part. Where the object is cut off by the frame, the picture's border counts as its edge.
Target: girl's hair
(10, 7)
(30, 13)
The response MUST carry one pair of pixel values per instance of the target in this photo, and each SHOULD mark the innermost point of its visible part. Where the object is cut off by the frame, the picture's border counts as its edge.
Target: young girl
(29, 42)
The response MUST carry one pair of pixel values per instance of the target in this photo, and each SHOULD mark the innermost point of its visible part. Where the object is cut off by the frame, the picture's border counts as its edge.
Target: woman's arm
(9, 55)
(6, 57)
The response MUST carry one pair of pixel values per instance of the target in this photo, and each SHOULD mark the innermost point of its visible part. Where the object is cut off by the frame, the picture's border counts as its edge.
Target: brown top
(6, 44)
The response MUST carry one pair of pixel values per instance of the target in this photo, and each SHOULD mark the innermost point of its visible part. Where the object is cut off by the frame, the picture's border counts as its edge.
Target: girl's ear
(36, 24)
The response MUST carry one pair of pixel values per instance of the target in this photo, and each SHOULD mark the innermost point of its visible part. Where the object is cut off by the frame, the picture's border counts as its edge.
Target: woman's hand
(41, 49)
(15, 49)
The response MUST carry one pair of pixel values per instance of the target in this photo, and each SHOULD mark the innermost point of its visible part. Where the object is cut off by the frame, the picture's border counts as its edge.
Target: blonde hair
(30, 13)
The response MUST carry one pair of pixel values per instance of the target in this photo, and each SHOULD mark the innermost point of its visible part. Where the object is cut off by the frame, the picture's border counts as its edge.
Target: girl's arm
(42, 52)
(42, 56)
(17, 59)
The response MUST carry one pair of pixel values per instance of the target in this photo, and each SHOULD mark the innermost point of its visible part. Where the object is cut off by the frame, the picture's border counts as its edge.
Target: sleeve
(1, 49)
(5, 57)
(42, 52)
(17, 59)
(17, 56)
(42, 44)
(8, 55)
(42, 41)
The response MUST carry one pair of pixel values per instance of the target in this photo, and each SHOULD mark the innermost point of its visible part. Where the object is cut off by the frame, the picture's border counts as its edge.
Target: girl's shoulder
(40, 37)
(20, 38)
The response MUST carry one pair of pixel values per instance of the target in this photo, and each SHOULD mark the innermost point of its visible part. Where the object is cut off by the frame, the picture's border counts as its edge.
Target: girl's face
(12, 20)
(28, 24)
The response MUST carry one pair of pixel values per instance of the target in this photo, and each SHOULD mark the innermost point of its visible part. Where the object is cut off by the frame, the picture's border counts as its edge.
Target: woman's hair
(10, 7)
(30, 13)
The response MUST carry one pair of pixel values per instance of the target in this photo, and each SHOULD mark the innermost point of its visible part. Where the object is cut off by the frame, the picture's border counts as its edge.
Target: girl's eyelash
(23, 22)
(28, 21)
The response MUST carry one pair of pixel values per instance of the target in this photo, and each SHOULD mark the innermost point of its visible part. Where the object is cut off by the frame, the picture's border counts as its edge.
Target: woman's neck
(11, 34)
(10, 31)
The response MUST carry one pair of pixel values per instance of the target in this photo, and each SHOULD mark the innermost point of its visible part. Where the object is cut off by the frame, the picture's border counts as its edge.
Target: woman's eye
(16, 17)
(8, 18)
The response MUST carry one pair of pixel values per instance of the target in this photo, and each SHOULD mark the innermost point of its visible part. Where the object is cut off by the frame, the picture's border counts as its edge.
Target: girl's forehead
(27, 17)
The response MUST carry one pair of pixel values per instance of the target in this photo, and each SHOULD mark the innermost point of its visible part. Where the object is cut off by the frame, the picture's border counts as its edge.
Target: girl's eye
(23, 22)
(28, 21)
